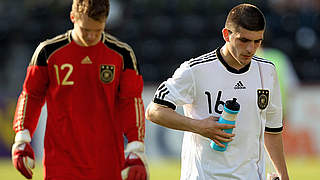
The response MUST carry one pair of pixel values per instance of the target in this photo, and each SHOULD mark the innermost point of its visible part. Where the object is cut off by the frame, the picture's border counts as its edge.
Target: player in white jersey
(203, 84)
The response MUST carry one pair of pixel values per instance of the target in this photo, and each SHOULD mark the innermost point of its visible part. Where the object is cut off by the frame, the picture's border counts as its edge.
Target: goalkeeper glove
(135, 167)
(22, 154)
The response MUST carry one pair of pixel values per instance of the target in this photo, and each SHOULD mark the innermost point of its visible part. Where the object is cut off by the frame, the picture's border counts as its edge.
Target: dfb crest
(107, 73)
(263, 98)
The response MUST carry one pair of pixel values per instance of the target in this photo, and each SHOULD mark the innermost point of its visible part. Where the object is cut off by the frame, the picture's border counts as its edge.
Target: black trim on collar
(229, 68)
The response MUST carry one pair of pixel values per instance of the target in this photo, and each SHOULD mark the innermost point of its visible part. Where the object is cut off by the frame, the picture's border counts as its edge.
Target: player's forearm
(274, 145)
(131, 114)
(169, 118)
(31, 99)
(27, 112)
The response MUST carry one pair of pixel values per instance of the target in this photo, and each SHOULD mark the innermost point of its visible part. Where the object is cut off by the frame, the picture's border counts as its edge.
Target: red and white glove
(22, 154)
(135, 167)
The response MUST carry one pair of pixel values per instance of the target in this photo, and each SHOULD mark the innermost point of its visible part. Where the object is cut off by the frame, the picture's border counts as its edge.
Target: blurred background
(164, 34)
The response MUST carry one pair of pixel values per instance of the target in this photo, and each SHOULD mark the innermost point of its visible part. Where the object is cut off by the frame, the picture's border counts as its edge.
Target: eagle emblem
(107, 73)
(263, 98)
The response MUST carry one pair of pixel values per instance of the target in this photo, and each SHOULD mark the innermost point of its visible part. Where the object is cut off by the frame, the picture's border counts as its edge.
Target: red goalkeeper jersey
(93, 97)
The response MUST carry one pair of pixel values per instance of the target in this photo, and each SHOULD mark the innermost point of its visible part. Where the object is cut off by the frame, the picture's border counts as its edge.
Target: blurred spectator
(295, 5)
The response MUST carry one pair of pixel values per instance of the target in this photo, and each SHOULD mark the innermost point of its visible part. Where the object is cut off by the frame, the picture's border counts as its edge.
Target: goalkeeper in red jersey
(92, 87)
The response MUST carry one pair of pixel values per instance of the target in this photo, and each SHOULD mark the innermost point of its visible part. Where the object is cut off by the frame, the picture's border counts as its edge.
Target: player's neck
(229, 59)
(80, 41)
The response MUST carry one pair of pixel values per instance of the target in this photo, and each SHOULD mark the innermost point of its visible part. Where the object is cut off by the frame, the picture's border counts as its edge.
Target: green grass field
(299, 169)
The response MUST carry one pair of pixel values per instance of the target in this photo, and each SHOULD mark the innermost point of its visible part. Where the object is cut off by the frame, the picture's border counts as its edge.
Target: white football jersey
(202, 85)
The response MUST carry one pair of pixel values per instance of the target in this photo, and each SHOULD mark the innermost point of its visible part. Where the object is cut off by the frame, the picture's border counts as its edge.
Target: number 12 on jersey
(66, 77)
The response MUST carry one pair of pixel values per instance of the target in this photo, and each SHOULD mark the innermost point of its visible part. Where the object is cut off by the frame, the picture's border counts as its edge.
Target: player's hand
(23, 154)
(212, 129)
(135, 167)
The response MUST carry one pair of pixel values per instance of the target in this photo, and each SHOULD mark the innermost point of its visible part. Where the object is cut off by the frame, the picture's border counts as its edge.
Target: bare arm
(274, 146)
(208, 127)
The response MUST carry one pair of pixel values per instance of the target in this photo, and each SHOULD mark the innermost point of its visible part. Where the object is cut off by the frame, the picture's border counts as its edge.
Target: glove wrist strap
(135, 146)
(23, 136)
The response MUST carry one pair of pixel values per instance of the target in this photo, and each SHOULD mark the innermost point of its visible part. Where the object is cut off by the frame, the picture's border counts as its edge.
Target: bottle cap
(233, 104)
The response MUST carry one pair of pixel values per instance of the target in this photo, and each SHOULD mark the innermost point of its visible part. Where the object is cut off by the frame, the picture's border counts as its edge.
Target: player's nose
(250, 47)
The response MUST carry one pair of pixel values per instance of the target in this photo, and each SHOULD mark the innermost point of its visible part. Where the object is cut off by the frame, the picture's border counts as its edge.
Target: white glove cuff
(23, 136)
(135, 146)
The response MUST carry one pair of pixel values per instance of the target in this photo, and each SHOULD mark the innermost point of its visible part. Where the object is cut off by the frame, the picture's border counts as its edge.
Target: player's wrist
(135, 146)
(196, 126)
(22, 136)
(138, 148)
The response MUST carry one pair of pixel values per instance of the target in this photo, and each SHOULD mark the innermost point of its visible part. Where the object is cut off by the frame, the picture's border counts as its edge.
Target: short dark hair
(95, 9)
(246, 16)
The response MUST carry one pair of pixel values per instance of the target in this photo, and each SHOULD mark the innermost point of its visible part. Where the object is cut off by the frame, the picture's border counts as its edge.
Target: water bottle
(229, 115)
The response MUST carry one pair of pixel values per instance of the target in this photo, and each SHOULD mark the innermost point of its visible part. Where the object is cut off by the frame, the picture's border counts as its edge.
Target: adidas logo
(239, 85)
(86, 60)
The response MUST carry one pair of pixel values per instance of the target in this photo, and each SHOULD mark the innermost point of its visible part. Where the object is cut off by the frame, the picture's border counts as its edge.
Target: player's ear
(225, 33)
(72, 18)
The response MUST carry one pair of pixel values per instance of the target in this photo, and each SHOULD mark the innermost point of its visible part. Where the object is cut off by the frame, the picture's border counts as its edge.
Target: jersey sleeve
(274, 111)
(177, 90)
(131, 107)
(32, 97)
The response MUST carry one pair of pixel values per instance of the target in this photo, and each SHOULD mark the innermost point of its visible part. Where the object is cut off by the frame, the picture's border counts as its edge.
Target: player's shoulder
(263, 61)
(57, 41)
(115, 44)
(123, 49)
(203, 59)
(47, 47)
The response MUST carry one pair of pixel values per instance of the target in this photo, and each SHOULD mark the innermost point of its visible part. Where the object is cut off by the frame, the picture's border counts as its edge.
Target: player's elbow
(152, 113)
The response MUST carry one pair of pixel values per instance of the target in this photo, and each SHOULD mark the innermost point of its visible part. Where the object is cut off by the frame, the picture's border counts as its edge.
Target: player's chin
(91, 42)
(245, 60)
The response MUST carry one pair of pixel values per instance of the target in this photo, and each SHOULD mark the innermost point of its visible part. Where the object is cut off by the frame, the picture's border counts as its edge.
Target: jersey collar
(70, 36)
(229, 68)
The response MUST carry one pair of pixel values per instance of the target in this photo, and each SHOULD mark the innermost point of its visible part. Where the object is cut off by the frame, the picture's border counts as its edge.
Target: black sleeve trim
(165, 103)
(262, 60)
(274, 130)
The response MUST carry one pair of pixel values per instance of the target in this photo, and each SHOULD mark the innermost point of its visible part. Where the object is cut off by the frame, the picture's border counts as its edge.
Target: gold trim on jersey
(103, 37)
(21, 112)
(47, 42)
(136, 105)
(36, 54)
(139, 117)
(69, 35)
(112, 39)
(141, 128)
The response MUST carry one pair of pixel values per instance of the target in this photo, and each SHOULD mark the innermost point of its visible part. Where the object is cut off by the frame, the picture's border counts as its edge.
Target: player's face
(87, 30)
(244, 44)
